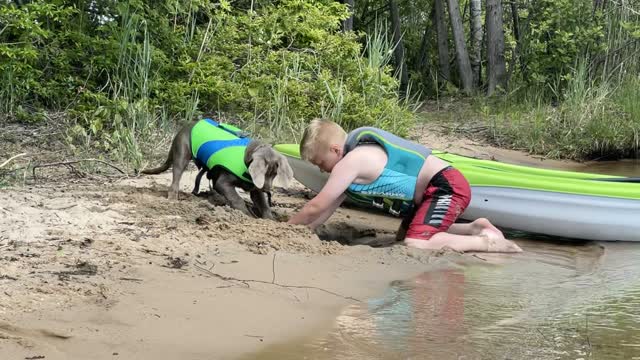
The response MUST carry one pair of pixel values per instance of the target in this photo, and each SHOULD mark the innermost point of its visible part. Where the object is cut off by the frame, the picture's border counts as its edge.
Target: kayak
(568, 204)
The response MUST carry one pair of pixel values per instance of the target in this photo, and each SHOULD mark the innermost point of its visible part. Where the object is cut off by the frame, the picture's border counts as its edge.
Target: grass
(594, 115)
(128, 127)
(595, 121)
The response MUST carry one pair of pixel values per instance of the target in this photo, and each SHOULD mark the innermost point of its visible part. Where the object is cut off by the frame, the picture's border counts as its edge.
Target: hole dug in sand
(347, 234)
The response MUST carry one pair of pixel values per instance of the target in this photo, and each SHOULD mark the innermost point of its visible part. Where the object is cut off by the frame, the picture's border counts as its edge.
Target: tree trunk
(516, 34)
(496, 69)
(516, 22)
(424, 44)
(399, 50)
(476, 40)
(444, 74)
(347, 24)
(422, 54)
(365, 10)
(462, 56)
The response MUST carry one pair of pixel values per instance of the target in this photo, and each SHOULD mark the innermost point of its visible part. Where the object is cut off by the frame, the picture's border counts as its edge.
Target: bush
(125, 70)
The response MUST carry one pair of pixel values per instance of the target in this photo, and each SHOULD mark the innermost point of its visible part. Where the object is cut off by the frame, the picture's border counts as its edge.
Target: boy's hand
(331, 195)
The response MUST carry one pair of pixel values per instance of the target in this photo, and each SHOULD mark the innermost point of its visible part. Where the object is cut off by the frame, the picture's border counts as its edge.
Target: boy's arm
(329, 198)
(327, 213)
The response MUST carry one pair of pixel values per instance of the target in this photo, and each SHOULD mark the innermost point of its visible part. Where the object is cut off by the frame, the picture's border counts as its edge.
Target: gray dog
(230, 160)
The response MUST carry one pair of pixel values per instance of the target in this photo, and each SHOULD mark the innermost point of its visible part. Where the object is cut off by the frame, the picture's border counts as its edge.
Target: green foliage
(128, 71)
(561, 31)
(25, 33)
(595, 120)
(125, 71)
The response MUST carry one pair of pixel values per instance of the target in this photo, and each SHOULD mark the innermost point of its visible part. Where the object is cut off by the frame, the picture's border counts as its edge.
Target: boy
(400, 176)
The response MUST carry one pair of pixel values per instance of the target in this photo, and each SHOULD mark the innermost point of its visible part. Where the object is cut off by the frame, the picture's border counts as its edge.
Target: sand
(107, 268)
(89, 271)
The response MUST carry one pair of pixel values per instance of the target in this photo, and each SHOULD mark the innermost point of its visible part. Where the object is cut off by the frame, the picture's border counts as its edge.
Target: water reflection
(430, 306)
(554, 301)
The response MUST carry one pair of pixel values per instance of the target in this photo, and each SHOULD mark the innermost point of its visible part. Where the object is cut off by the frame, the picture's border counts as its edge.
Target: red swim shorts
(445, 199)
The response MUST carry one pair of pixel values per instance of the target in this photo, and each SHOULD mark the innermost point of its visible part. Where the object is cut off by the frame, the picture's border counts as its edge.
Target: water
(554, 301)
(627, 167)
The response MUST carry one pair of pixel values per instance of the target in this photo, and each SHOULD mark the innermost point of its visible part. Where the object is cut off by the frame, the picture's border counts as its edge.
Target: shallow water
(555, 301)
(627, 167)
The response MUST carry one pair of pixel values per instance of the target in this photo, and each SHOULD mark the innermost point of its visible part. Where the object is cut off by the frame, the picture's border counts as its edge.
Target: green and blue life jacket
(217, 145)
(395, 188)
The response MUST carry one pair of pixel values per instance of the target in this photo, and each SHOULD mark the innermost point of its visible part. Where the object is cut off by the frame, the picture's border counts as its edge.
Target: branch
(374, 18)
(600, 58)
(74, 162)
(10, 159)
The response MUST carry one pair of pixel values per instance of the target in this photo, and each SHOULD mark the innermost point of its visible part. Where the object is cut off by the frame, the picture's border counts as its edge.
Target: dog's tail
(161, 168)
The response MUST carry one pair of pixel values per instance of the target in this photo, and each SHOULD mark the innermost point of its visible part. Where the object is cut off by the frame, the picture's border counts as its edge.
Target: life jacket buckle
(395, 207)
(378, 202)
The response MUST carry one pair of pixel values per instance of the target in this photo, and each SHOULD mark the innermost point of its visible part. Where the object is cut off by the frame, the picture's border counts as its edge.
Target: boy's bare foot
(482, 224)
(497, 243)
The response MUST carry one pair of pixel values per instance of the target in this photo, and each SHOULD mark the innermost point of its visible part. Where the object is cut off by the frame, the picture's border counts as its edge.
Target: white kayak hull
(558, 214)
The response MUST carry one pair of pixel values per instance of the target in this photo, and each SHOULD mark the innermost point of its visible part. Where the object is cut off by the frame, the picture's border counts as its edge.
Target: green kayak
(560, 203)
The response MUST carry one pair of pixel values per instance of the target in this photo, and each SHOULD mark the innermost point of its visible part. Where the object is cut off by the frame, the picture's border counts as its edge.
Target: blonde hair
(318, 135)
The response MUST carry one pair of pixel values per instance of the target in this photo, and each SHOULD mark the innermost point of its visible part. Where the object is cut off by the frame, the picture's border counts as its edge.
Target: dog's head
(266, 165)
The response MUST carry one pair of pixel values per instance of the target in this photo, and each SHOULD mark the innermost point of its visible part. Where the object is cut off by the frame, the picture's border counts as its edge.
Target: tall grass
(372, 89)
(132, 126)
(333, 108)
(7, 91)
(623, 49)
(279, 119)
(374, 61)
(130, 86)
(595, 120)
(596, 114)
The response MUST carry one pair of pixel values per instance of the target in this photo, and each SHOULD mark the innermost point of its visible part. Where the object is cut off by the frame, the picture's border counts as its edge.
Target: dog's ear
(251, 150)
(257, 170)
(285, 173)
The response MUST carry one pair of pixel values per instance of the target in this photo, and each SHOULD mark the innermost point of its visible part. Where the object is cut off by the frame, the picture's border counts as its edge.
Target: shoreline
(120, 269)
(116, 270)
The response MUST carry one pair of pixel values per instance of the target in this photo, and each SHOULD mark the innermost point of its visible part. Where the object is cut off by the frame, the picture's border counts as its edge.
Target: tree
(476, 40)
(516, 35)
(462, 56)
(424, 43)
(347, 24)
(399, 47)
(496, 68)
(444, 74)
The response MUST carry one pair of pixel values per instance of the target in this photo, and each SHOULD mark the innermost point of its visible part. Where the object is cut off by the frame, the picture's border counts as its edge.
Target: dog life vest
(395, 188)
(215, 144)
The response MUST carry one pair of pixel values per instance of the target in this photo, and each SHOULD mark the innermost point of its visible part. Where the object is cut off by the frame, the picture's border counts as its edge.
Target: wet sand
(90, 271)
